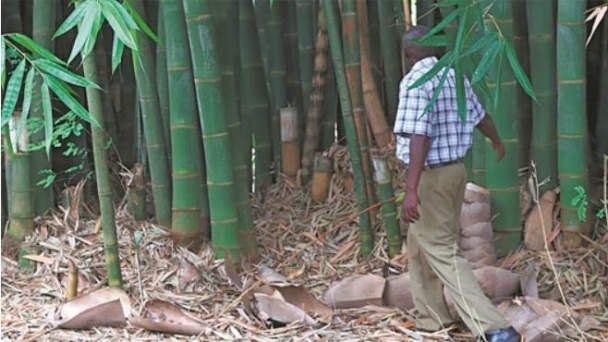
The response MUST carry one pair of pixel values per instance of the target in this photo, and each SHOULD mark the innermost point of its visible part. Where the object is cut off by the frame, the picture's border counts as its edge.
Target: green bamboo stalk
(162, 81)
(400, 16)
(524, 102)
(244, 113)
(601, 129)
(255, 95)
(543, 67)
(278, 83)
(352, 63)
(21, 209)
(126, 116)
(231, 110)
(389, 44)
(42, 33)
(11, 17)
(384, 178)
(479, 159)
(185, 139)
(292, 60)
(350, 126)
(111, 124)
(375, 51)
(306, 51)
(102, 171)
(329, 110)
(425, 12)
(216, 139)
(145, 75)
(571, 115)
(262, 17)
(502, 179)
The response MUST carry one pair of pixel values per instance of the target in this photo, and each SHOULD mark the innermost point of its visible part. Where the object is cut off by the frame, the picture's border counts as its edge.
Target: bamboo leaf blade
(48, 116)
(60, 90)
(74, 18)
(34, 47)
(63, 74)
(27, 101)
(519, 72)
(13, 88)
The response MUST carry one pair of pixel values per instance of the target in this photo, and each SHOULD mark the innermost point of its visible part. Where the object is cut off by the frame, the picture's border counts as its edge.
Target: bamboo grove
(209, 101)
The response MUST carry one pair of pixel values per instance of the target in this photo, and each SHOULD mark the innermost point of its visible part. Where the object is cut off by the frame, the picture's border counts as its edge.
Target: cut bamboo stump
(321, 177)
(290, 143)
(476, 236)
(539, 223)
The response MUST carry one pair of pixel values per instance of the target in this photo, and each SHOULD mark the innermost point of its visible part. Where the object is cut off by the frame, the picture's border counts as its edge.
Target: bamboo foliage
(216, 139)
(571, 116)
(349, 125)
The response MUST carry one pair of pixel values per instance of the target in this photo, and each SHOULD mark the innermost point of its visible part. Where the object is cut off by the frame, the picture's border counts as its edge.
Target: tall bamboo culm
(162, 81)
(350, 126)
(185, 140)
(42, 31)
(571, 115)
(541, 37)
(314, 114)
(145, 75)
(352, 64)
(216, 139)
(524, 102)
(391, 52)
(254, 94)
(102, 172)
(502, 179)
(306, 50)
(227, 63)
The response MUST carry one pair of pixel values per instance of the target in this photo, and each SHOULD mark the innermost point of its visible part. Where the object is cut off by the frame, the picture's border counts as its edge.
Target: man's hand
(500, 150)
(410, 207)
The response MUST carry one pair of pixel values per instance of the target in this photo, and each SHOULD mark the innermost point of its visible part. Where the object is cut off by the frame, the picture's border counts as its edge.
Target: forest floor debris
(309, 243)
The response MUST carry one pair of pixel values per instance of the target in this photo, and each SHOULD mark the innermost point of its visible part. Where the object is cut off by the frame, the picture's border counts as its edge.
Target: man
(433, 146)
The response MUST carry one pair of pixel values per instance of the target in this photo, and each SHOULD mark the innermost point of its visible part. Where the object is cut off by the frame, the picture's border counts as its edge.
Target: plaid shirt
(450, 139)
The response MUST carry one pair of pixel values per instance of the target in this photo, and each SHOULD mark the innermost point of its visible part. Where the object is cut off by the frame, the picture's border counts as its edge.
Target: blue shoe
(503, 335)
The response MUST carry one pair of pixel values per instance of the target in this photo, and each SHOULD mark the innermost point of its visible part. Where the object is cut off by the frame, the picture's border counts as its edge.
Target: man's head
(415, 52)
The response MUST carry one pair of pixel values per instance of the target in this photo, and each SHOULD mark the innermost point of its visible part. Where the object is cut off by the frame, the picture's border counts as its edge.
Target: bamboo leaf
(28, 89)
(63, 73)
(84, 32)
(486, 61)
(73, 19)
(447, 58)
(440, 40)
(453, 15)
(519, 72)
(34, 47)
(59, 90)
(89, 45)
(3, 60)
(481, 43)
(117, 51)
(498, 81)
(437, 91)
(12, 92)
(141, 23)
(47, 113)
(124, 14)
(118, 25)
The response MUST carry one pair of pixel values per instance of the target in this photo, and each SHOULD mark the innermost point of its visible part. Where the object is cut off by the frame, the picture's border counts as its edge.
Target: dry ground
(315, 244)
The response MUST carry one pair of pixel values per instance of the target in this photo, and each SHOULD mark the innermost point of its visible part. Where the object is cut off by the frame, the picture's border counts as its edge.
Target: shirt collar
(425, 63)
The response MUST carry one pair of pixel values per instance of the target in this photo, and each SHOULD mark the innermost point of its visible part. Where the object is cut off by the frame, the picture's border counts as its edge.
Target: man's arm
(486, 127)
(419, 148)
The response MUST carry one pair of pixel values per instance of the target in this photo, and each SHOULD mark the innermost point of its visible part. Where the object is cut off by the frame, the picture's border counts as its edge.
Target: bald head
(415, 52)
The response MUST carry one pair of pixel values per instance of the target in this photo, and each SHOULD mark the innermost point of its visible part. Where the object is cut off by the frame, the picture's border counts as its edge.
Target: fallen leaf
(102, 296)
(231, 272)
(187, 273)
(528, 284)
(276, 309)
(108, 314)
(273, 277)
(161, 316)
(300, 297)
(356, 291)
(40, 258)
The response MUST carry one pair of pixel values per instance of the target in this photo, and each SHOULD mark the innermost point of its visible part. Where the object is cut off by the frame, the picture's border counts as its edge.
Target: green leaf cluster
(472, 41)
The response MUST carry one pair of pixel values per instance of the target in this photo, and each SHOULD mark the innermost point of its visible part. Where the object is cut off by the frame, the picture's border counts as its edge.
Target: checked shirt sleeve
(412, 103)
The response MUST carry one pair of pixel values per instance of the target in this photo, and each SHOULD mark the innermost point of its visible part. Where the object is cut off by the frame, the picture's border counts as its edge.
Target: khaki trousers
(434, 260)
